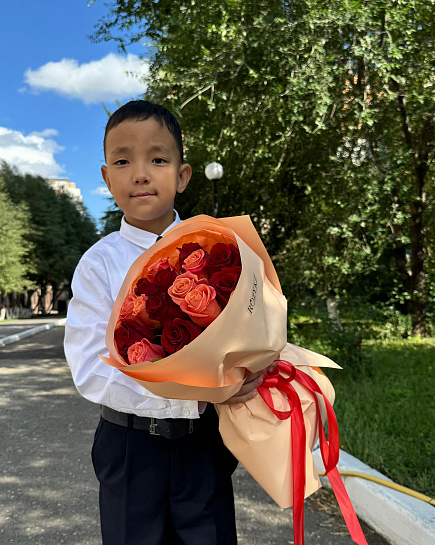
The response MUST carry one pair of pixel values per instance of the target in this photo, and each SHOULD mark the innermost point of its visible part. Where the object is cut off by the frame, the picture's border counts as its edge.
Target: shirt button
(186, 412)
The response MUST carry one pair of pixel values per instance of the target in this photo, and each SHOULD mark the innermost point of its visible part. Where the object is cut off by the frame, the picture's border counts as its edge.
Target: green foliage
(59, 230)
(322, 115)
(314, 331)
(384, 391)
(14, 231)
(111, 221)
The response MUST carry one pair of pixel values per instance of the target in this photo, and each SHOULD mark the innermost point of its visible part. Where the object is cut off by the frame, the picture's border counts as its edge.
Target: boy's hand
(249, 388)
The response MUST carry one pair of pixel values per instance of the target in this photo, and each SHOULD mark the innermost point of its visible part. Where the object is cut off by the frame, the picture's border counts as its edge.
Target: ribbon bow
(330, 451)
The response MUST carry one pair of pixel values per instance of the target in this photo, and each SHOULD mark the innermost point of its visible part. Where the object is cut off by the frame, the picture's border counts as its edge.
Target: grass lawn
(387, 419)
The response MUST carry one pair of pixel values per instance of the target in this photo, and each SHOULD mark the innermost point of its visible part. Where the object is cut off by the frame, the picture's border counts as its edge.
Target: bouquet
(176, 298)
(245, 331)
(199, 310)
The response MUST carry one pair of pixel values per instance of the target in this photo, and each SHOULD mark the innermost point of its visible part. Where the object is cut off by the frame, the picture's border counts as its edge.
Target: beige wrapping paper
(261, 442)
(249, 333)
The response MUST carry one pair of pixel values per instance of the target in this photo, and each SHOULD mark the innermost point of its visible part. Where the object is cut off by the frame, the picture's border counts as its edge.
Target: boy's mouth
(143, 195)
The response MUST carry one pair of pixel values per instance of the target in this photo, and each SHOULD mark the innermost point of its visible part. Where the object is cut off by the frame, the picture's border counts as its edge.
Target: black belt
(170, 428)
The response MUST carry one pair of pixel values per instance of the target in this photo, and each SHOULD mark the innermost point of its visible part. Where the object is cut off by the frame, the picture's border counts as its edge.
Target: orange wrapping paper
(250, 333)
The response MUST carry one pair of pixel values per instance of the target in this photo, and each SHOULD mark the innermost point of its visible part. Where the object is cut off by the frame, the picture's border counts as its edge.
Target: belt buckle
(153, 426)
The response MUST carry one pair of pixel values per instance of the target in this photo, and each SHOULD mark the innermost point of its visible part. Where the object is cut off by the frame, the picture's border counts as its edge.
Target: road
(48, 491)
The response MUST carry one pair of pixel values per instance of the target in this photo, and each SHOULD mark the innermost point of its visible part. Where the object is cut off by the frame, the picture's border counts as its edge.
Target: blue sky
(53, 85)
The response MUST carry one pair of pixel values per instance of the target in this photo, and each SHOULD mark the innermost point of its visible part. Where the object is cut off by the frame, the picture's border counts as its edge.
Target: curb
(399, 518)
(29, 332)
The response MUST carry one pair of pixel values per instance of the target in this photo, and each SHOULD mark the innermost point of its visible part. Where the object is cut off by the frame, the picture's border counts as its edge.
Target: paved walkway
(12, 327)
(48, 491)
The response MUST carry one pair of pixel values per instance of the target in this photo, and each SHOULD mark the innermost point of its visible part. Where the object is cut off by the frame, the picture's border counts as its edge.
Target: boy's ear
(106, 178)
(184, 176)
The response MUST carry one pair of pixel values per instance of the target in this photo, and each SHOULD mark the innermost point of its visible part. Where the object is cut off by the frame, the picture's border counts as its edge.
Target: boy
(164, 473)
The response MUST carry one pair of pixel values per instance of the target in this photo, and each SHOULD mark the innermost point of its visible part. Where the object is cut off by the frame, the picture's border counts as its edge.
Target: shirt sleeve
(88, 315)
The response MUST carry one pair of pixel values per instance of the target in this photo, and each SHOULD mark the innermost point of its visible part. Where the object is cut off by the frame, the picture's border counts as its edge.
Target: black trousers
(156, 491)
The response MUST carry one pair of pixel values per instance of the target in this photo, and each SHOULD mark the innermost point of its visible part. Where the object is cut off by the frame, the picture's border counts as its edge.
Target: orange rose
(196, 261)
(182, 285)
(139, 305)
(201, 305)
(144, 351)
(127, 306)
(135, 306)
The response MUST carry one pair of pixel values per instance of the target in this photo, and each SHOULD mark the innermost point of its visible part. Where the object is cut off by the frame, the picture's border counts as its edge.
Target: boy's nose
(141, 180)
(141, 176)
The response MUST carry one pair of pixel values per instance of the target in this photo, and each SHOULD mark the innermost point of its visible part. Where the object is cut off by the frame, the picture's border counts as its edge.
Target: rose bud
(144, 351)
(201, 305)
(225, 282)
(157, 307)
(223, 255)
(178, 333)
(165, 278)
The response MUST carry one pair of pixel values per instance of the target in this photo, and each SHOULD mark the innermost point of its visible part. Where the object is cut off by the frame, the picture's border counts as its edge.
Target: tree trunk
(419, 152)
(417, 304)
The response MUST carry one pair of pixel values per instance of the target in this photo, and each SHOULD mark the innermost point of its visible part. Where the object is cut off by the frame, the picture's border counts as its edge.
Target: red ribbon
(330, 451)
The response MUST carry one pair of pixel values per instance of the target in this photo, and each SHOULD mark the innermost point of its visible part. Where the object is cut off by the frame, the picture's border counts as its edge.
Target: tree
(14, 229)
(319, 112)
(61, 230)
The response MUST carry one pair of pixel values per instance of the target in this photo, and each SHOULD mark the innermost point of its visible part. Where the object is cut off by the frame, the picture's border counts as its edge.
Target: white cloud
(101, 191)
(114, 77)
(33, 153)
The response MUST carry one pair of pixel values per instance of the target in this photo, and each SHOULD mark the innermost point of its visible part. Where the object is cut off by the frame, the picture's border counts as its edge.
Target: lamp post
(214, 172)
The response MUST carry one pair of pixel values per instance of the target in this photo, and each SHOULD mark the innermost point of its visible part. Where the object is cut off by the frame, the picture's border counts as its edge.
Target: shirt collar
(143, 239)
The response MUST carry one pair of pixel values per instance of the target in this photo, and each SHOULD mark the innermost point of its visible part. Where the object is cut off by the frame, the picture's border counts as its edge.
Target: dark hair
(140, 110)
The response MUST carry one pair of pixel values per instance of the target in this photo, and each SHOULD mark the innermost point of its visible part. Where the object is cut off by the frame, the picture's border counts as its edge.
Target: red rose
(165, 278)
(174, 311)
(162, 309)
(225, 282)
(157, 307)
(130, 332)
(178, 333)
(144, 351)
(186, 250)
(145, 287)
(223, 255)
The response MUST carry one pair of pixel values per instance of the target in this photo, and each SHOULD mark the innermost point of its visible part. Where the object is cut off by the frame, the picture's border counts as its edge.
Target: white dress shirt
(96, 283)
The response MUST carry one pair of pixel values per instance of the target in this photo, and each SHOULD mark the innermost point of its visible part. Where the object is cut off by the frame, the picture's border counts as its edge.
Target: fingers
(272, 366)
(248, 390)
(254, 376)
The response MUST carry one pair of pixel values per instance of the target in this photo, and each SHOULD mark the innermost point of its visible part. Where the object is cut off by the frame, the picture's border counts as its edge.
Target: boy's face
(144, 173)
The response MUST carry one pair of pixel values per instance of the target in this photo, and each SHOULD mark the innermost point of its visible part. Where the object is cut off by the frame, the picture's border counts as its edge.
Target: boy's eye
(159, 161)
(121, 162)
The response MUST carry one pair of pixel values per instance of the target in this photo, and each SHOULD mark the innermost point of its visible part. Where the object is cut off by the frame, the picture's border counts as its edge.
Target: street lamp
(214, 172)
